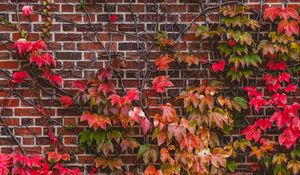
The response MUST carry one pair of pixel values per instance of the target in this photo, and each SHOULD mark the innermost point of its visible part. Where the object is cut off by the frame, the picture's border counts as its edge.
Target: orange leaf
(165, 155)
(151, 170)
(163, 62)
(100, 161)
(271, 13)
(289, 28)
(115, 163)
(168, 112)
(160, 83)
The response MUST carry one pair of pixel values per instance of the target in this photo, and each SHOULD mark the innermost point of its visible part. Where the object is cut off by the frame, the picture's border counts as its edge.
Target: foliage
(189, 142)
(36, 165)
(107, 109)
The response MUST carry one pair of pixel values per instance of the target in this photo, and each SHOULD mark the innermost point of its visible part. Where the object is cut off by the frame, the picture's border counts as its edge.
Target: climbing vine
(189, 134)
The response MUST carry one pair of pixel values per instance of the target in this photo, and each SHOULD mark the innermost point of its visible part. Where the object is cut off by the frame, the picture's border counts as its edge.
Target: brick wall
(74, 40)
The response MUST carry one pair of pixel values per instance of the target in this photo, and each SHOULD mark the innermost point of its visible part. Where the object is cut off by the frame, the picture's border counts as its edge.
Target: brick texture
(74, 40)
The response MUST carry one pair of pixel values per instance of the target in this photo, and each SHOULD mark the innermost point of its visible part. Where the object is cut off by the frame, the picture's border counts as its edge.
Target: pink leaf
(160, 83)
(18, 77)
(104, 74)
(27, 10)
(145, 124)
(23, 46)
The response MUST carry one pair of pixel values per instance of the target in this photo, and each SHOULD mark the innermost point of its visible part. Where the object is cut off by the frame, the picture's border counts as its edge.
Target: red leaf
(104, 74)
(163, 62)
(39, 45)
(203, 60)
(288, 138)
(296, 123)
(219, 66)
(255, 167)
(18, 77)
(263, 124)
(231, 43)
(252, 92)
(160, 83)
(292, 110)
(251, 132)
(113, 18)
(114, 99)
(288, 12)
(269, 79)
(56, 79)
(23, 46)
(273, 88)
(284, 77)
(289, 28)
(258, 102)
(132, 94)
(66, 101)
(276, 66)
(271, 13)
(42, 59)
(291, 88)
(106, 88)
(278, 99)
(280, 118)
(79, 85)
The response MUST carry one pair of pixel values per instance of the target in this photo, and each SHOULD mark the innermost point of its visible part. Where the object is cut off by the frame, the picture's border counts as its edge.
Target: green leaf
(240, 49)
(226, 129)
(231, 165)
(98, 137)
(143, 149)
(241, 101)
(84, 138)
(253, 59)
(234, 75)
(22, 33)
(202, 31)
(115, 134)
(224, 49)
(267, 162)
(295, 153)
(246, 73)
(237, 60)
(278, 170)
(227, 21)
(190, 109)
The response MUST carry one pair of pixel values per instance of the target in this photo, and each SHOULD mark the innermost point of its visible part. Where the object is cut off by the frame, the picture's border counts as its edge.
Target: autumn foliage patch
(191, 141)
